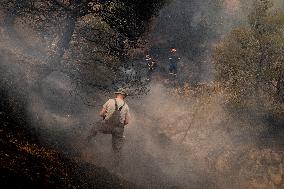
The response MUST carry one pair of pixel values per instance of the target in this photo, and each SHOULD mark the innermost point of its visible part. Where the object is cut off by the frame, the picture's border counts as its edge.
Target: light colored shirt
(110, 108)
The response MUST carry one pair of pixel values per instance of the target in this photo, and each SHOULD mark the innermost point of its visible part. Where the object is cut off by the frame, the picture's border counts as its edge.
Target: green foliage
(250, 60)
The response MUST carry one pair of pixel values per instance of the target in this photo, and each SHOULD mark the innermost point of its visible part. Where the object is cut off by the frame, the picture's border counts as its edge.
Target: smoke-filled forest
(201, 86)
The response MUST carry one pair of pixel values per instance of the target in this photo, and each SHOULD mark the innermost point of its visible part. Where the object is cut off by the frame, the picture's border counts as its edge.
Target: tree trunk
(63, 42)
(12, 14)
(15, 37)
(9, 21)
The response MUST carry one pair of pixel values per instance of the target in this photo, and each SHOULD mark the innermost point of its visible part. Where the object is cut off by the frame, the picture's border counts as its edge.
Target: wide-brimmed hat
(121, 91)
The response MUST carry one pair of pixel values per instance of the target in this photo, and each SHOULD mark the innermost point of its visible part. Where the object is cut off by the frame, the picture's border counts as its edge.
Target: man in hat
(115, 114)
(173, 60)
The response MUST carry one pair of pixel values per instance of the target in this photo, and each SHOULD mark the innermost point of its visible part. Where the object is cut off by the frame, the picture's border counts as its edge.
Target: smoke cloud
(171, 142)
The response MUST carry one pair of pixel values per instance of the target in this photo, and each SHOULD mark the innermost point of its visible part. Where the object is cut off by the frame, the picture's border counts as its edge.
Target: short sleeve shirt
(110, 108)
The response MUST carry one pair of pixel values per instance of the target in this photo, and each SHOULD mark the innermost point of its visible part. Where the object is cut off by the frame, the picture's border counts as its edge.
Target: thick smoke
(156, 153)
(194, 27)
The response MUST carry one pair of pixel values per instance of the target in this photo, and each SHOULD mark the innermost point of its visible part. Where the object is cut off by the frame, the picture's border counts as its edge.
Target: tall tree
(110, 27)
(250, 60)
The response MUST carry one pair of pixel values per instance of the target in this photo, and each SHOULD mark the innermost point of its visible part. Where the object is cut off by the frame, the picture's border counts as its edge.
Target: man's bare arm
(127, 117)
(103, 112)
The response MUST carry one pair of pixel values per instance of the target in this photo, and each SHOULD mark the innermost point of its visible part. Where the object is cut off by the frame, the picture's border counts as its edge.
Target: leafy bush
(250, 60)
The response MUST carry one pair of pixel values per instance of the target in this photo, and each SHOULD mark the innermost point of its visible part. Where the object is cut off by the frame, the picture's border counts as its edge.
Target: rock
(223, 163)
(275, 174)
(261, 183)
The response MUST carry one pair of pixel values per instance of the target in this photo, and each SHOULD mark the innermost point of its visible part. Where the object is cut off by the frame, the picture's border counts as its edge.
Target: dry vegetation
(235, 146)
(232, 127)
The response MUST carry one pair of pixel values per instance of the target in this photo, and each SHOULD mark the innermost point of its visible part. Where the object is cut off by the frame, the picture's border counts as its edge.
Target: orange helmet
(173, 50)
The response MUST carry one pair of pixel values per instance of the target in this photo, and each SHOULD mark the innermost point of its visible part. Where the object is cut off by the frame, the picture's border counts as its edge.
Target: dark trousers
(116, 130)
(173, 68)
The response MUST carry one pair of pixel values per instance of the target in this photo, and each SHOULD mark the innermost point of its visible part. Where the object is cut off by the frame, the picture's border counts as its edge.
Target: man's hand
(126, 121)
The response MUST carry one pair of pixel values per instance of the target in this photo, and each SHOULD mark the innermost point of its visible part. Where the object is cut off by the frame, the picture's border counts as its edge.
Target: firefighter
(173, 61)
(115, 115)
(148, 59)
(151, 65)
